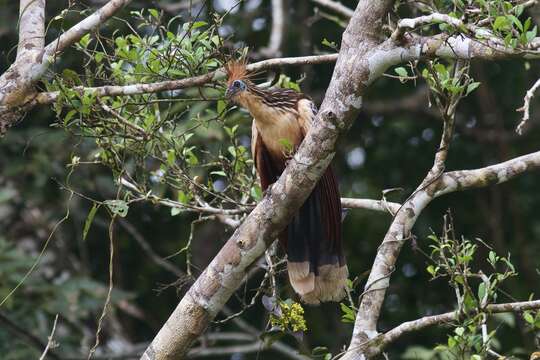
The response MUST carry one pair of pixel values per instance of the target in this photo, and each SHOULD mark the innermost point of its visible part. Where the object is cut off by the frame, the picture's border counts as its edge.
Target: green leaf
(459, 331)
(171, 157)
(528, 317)
(117, 207)
(401, 71)
(329, 43)
(349, 315)
(518, 10)
(501, 23)
(175, 211)
(471, 87)
(198, 24)
(89, 219)
(221, 105)
(71, 75)
(68, 116)
(530, 35)
(481, 291)
(98, 57)
(256, 192)
(85, 40)
(154, 13)
(492, 258)
(516, 22)
(286, 144)
(183, 197)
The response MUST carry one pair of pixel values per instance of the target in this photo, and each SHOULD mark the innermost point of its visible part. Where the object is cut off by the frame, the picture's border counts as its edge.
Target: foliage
(453, 259)
(289, 317)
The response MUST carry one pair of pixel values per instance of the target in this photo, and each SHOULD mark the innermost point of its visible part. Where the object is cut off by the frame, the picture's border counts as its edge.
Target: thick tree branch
(435, 18)
(495, 174)
(365, 327)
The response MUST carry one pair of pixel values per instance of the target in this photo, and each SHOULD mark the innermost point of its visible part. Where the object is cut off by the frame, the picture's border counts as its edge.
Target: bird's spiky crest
(236, 70)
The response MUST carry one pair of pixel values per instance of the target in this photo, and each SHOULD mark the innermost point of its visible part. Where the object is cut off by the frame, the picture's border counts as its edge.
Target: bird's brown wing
(327, 187)
(316, 265)
(268, 170)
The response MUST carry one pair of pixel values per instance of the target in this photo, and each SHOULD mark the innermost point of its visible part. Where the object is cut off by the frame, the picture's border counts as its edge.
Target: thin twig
(526, 106)
(22, 334)
(50, 342)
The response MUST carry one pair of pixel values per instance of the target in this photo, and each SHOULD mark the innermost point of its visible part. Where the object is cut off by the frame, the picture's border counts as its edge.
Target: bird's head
(237, 80)
(235, 88)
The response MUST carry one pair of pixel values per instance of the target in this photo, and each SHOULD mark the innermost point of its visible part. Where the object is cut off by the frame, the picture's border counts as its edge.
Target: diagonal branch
(436, 183)
(15, 328)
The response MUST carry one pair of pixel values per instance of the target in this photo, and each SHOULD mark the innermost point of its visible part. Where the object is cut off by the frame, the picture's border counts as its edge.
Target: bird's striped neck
(255, 99)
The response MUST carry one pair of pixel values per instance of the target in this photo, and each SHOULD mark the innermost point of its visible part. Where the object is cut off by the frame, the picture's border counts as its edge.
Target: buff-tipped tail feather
(328, 285)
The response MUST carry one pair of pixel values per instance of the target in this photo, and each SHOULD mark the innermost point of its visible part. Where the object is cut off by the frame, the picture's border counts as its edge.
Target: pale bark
(31, 27)
(368, 204)
(17, 83)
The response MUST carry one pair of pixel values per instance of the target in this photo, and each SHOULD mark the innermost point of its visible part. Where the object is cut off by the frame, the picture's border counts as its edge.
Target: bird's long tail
(316, 263)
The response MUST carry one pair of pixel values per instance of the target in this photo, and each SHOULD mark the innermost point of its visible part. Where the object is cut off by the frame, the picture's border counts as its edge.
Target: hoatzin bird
(281, 118)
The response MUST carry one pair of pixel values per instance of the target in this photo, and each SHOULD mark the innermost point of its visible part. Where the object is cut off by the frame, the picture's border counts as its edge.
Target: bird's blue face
(236, 87)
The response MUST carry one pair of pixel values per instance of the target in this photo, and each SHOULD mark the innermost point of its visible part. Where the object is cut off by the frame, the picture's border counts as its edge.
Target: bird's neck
(256, 107)
(275, 124)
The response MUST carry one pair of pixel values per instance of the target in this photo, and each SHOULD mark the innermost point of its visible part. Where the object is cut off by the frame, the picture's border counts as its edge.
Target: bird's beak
(230, 92)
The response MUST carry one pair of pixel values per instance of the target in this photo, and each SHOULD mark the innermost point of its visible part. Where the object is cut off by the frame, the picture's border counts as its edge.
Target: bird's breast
(281, 134)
